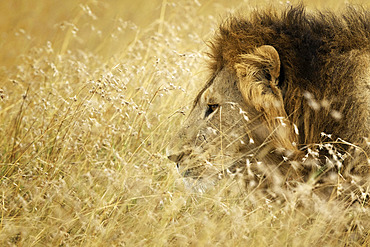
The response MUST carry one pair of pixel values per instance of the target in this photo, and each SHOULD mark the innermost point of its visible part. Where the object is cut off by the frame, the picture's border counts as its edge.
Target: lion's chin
(209, 179)
(199, 185)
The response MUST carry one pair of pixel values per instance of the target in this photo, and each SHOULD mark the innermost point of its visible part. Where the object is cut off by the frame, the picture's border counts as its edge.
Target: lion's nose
(174, 156)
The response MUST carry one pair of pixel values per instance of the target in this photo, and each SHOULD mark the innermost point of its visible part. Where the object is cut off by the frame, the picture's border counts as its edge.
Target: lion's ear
(258, 73)
(271, 60)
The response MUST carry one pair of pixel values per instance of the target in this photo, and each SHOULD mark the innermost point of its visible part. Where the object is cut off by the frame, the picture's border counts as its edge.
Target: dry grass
(90, 94)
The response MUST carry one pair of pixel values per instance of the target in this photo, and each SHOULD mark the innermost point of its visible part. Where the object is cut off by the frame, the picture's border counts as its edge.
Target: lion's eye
(211, 108)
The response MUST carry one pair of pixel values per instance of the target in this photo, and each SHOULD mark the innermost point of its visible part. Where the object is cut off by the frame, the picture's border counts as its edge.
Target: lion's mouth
(201, 172)
(182, 172)
(186, 173)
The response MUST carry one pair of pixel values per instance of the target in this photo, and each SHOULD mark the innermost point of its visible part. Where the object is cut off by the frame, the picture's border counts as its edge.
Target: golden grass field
(90, 93)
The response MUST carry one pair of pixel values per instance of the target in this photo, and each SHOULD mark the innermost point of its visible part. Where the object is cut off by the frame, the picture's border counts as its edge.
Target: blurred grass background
(25, 24)
(90, 93)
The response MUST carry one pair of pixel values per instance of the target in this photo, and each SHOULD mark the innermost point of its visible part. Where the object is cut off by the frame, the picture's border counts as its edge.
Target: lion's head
(238, 116)
(280, 84)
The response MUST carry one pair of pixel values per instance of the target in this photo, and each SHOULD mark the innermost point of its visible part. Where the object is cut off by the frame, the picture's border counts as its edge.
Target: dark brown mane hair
(321, 53)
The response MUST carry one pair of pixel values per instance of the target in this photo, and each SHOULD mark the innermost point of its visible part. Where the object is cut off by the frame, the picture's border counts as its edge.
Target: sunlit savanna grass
(90, 93)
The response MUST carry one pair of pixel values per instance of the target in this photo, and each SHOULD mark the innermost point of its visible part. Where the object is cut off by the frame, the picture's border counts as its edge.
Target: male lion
(288, 100)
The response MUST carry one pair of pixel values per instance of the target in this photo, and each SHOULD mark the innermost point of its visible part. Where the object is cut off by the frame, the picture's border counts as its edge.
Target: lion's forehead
(222, 87)
(207, 94)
